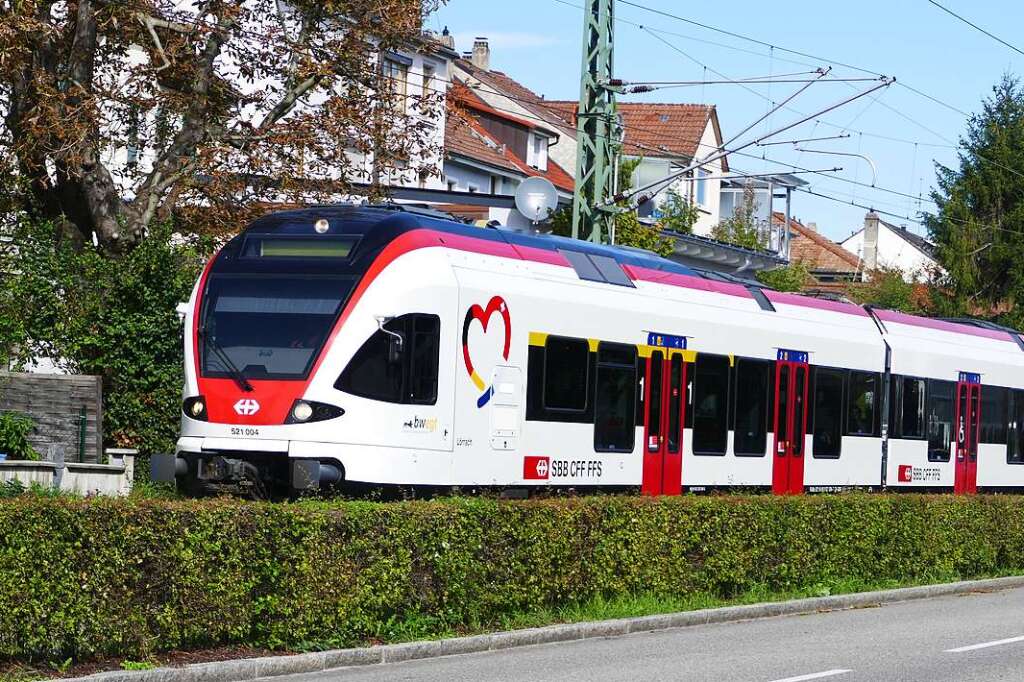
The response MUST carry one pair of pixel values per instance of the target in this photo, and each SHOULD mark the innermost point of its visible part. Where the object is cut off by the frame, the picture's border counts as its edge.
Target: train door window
(675, 397)
(397, 364)
(751, 419)
(615, 398)
(912, 413)
(940, 419)
(654, 395)
(710, 401)
(799, 389)
(828, 413)
(993, 414)
(566, 365)
(1015, 432)
(862, 404)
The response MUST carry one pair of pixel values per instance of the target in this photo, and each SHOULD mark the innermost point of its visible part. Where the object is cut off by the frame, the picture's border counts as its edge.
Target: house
(833, 267)
(491, 150)
(664, 139)
(883, 245)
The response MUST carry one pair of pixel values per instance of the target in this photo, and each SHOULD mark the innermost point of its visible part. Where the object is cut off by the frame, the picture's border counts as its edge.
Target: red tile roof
(499, 82)
(658, 129)
(818, 253)
(464, 135)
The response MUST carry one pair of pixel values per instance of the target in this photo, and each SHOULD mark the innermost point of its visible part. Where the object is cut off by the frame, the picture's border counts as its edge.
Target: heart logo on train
(483, 316)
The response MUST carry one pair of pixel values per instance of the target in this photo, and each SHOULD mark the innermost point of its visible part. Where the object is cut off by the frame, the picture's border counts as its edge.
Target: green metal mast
(595, 127)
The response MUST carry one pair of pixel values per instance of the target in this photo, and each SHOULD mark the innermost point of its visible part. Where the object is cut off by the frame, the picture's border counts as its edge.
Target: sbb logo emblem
(247, 407)
(905, 474)
(536, 468)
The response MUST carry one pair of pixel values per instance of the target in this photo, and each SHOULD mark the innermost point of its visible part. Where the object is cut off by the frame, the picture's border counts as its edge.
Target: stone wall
(55, 403)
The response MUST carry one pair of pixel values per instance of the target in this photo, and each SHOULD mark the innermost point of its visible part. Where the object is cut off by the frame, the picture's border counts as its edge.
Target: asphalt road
(963, 638)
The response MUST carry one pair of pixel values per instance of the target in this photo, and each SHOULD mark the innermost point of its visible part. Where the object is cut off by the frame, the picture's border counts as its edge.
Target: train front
(257, 327)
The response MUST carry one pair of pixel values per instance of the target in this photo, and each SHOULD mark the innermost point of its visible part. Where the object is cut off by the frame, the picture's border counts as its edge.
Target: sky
(538, 42)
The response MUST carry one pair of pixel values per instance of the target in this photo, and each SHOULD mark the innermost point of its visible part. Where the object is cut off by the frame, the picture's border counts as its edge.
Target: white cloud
(505, 40)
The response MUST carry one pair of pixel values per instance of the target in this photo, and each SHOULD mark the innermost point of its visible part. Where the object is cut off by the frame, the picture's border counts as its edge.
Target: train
(346, 347)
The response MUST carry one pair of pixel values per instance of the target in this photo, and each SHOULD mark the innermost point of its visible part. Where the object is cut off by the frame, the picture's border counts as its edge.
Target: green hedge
(87, 578)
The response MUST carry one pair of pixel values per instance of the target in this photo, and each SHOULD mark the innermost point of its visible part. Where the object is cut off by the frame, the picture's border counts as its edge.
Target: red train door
(664, 412)
(790, 423)
(968, 425)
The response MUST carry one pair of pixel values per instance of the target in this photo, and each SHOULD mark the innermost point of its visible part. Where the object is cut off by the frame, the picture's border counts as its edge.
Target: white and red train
(357, 346)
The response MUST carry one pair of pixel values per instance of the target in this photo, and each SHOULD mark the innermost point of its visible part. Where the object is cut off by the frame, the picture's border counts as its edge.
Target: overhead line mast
(597, 130)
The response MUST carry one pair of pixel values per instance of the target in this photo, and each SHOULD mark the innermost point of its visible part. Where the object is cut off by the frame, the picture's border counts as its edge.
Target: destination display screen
(331, 247)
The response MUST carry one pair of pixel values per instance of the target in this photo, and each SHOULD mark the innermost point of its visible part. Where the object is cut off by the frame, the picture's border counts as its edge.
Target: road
(964, 638)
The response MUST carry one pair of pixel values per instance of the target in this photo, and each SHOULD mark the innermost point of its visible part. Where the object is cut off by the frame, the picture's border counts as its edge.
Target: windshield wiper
(233, 370)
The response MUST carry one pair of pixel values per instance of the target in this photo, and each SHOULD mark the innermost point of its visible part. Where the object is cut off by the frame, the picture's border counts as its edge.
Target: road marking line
(984, 645)
(814, 676)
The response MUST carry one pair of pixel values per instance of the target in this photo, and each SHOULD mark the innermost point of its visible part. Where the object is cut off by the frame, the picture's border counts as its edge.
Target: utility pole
(596, 127)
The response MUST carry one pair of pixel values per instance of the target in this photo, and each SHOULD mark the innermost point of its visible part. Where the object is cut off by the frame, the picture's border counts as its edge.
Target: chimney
(447, 39)
(870, 251)
(813, 227)
(481, 54)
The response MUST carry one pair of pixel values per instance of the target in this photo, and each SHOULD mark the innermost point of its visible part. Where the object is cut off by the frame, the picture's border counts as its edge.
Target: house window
(701, 187)
(396, 77)
(428, 79)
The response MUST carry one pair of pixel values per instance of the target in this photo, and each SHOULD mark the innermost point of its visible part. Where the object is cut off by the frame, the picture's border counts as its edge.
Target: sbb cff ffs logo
(247, 407)
(536, 468)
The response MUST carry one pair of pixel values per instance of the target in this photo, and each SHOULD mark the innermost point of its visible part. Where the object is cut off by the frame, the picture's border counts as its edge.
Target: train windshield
(267, 326)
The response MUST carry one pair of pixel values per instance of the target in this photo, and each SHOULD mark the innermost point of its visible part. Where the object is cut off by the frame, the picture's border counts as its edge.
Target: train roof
(378, 225)
(394, 219)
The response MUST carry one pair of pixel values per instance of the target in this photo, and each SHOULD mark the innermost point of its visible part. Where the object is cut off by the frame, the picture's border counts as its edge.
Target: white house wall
(893, 252)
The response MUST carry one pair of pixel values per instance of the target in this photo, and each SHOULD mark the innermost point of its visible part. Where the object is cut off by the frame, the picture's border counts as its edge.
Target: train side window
(615, 398)
(397, 372)
(710, 403)
(1015, 432)
(912, 413)
(566, 366)
(940, 419)
(751, 419)
(993, 414)
(862, 404)
(828, 413)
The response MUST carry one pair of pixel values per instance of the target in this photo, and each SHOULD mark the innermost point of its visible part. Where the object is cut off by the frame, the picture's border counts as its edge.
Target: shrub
(112, 317)
(14, 432)
(94, 577)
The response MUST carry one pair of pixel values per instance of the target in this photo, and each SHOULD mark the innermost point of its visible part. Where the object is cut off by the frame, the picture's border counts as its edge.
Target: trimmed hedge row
(100, 577)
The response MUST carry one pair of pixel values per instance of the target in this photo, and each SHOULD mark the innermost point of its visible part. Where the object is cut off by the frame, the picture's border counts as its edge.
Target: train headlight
(302, 411)
(305, 411)
(195, 408)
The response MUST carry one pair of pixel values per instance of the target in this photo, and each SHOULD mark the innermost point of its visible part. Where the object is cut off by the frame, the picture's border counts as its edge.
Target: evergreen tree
(978, 228)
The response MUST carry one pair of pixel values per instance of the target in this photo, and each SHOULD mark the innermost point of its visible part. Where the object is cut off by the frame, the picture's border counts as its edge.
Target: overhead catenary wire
(974, 26)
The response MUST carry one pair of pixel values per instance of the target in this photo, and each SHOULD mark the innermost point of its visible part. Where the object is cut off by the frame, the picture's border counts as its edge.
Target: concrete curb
(273, 666)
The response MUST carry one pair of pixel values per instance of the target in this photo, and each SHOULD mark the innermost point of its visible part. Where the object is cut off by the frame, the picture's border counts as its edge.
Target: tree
(677, 214)
(793, 277)
(888, 288)
(741, 228)
(978, 228)
(118, 114)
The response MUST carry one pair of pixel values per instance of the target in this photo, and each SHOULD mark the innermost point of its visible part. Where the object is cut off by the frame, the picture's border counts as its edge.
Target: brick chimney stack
(870, 252)
(481, 54)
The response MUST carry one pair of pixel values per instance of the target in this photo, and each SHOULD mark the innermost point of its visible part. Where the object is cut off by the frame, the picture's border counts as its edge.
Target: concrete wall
(71, 477)
(54, 402)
